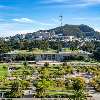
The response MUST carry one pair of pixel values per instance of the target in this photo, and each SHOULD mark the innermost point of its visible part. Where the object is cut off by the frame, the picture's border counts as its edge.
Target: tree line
(10, 45)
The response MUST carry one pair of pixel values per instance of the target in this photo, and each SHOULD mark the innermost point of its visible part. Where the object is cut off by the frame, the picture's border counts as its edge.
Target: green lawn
(3, 70)
(61, 93)
(34, 51)
(68, 50)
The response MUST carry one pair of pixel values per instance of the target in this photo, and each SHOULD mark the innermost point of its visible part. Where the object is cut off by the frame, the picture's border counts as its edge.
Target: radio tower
(61, 22)
(61, 32)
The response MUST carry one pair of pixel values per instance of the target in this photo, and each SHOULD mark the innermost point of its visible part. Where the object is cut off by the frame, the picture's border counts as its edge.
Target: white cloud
(27, 20)
(98, 30)
(92, 1)
(51, 1)
(57, 0)
(14, 32)
(55, 20)
(79, 18)
(44, 24)
(10, 29)
(23, 20)
(21, 26)
(87, 18)
(72, 3)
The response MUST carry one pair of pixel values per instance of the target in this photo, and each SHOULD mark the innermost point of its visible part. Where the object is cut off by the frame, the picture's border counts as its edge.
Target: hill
(80, 31)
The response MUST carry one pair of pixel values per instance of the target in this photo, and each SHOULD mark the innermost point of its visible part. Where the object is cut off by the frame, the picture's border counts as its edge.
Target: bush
(4, 67)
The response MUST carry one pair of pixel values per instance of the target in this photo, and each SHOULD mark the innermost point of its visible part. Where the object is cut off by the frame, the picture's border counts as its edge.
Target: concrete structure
(54, 56)
(49, 55)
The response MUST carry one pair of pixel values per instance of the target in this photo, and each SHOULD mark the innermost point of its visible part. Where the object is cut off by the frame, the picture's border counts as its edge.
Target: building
(61, 56)
(48, 55)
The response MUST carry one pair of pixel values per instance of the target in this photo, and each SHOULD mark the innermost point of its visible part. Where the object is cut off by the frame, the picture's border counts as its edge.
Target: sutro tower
(61, 33)
(61, 19)
(61, 22)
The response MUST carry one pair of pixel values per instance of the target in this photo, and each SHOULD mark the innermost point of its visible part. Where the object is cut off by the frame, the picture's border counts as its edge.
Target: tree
(68, 84)
(25, 84)
(88, 46)
(46, 64)
(73, 45)
(68, 70)
(78, 84)
(60, 83)
(25, 73)
(79, 95)
(95, 82)
(4, 48)
(96, 54)
(45, 73)
(25, 64)
(16, 90)
(41, 87)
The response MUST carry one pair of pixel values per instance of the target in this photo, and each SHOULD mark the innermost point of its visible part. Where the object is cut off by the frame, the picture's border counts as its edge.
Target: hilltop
(78, 31)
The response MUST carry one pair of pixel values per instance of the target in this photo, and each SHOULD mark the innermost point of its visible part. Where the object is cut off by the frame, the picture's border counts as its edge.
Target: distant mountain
(80, 31)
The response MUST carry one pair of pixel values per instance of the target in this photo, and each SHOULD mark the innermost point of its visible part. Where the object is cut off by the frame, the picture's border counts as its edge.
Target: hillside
(78, 31)
(82, 31)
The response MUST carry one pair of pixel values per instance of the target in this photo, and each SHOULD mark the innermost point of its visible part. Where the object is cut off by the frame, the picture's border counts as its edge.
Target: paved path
(93, 93)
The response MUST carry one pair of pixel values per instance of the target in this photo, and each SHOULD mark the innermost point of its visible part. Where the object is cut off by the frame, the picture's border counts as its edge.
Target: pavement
(93, 93)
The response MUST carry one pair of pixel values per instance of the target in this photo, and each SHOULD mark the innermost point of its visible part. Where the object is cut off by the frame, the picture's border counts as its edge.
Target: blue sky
(21, 16)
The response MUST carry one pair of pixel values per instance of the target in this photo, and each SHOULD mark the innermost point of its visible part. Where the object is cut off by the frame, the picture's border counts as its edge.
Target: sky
(22, 16)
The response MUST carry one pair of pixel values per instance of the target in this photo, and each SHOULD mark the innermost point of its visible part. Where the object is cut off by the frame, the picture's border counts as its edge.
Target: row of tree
(92, 47)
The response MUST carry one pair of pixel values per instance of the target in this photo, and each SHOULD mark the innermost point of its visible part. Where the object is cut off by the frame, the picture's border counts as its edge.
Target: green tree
(79, 95)
(96, 54)
(45, 73)
(41, 87)
(25, 84)
(16, 90)
(46, 64)
(25, 64)
(78, 84)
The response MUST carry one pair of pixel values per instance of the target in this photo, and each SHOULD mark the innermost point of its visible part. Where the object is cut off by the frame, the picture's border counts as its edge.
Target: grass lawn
(68, 50)
(34, 51)
(3, 70)
(69, 92)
